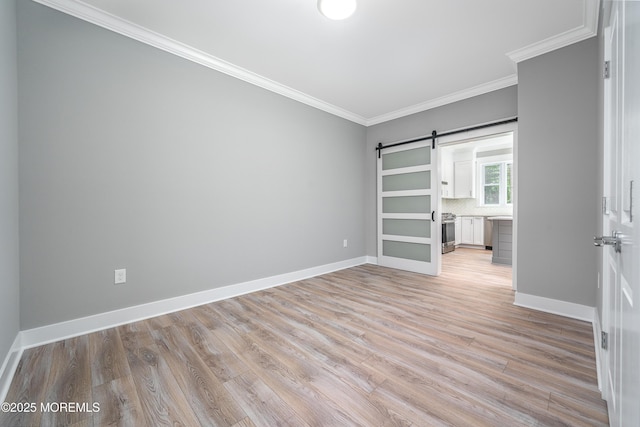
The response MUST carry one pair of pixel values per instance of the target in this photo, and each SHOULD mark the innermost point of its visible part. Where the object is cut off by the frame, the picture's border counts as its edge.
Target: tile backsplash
(470, 207)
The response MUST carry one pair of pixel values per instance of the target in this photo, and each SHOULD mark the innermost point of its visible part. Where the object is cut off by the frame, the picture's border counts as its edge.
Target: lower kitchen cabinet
(502, 240)
(472, 230)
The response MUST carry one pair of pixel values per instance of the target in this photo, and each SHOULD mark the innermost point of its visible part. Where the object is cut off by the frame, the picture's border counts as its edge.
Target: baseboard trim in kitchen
(86, 325)
(554, 306)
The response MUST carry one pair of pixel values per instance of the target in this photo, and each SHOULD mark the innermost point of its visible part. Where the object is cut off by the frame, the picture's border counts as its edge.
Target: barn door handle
(433, 216)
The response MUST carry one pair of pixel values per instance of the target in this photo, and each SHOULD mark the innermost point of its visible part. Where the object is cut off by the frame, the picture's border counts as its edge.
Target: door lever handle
(613, 240)
(604, 240)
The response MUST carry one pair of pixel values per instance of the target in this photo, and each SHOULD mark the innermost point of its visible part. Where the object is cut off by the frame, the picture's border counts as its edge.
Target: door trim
(485, 133)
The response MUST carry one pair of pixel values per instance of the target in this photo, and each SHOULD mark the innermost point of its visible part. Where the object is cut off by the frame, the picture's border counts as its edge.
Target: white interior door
(629, 258)
(621, 257)
(409, 236)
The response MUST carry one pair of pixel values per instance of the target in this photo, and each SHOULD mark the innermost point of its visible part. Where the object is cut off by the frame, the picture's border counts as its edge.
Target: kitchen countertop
(500, 218)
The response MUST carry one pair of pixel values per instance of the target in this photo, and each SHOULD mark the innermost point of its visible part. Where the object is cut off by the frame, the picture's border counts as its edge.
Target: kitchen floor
(465, 262)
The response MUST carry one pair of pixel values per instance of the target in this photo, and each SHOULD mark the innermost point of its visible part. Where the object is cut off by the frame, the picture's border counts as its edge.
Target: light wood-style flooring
(366, 346)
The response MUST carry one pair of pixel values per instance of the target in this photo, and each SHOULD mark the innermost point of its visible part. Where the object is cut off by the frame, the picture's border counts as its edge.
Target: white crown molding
(447, 99)
(81, 10)
(589, 28)
(121, 26)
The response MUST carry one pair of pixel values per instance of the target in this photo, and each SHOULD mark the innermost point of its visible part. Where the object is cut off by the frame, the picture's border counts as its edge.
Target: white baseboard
(371, 260)
(9, 366)
(562, 308)
(85, 325)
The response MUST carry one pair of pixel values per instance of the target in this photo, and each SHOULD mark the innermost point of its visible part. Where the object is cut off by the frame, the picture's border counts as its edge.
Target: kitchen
(477, 195)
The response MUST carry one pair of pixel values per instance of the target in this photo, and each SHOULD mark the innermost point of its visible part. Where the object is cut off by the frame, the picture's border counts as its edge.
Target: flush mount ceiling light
(337, 9)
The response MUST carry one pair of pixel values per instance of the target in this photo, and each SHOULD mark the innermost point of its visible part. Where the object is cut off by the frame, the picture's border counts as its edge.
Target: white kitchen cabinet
(447, 190)
(447, 175)
(458, 231)
(466, 230)
(464, 179)
(478, 231)
(472, 230)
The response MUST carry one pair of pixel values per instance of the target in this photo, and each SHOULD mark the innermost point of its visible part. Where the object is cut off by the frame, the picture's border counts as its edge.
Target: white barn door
(409, 237)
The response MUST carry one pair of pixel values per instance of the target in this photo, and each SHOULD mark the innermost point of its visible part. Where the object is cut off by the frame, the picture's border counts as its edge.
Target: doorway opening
(478, 205)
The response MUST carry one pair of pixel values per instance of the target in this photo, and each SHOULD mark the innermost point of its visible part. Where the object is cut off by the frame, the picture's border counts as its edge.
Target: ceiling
(390, 59)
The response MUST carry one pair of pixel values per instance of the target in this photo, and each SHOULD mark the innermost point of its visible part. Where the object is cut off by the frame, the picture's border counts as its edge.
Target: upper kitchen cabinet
(464, 182)
(446, 168)
(458, 172)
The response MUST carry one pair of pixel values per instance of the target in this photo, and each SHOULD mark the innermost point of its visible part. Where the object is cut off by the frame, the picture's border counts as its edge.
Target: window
(509, 167)
(496, 184)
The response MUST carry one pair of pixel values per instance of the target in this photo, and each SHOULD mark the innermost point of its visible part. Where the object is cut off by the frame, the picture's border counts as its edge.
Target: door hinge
(631, 201)
(605, 208)
(606, 72)
(604, 340)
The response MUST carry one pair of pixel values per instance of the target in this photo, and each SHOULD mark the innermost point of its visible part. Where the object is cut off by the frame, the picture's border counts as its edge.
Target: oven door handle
(433, 216)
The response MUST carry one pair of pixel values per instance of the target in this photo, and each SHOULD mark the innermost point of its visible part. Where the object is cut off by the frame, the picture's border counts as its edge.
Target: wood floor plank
(134, 336)
(301, 364)
(365, 346)
(293, 389)
(263, 406)
(119, 404)
(107, 356)
(573, 411)
(401, 408)
(162, 403)
(204, 392)
(222, 362)
(438, 409)
(28, 386)
(71, 381)
(448, 395)
(86, 422)
(555, 382)
(245, 422)
(331, 350)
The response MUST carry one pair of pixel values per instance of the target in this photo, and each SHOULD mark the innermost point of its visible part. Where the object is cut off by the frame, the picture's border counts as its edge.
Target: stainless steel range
(448, 232)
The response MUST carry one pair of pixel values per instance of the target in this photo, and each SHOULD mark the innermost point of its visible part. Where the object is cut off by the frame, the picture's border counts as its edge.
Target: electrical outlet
(345, 243)
(120, 276)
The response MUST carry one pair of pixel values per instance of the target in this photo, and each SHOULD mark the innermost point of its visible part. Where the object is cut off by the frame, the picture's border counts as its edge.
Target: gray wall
(557, 172)
(133, 158)
(9, 264)
(485, 108)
